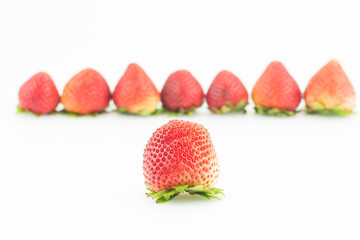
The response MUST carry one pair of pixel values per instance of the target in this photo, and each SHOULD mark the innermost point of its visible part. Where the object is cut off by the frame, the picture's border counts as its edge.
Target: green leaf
(20, 110)
(203, 195)
(227, 108)
(181, 189)
(168, 194)
(122, 110)
(240, 106)
(148, 188)
(144, 112)
(163, 199)
(197, 189)
(180, 112)
(172, 113)
(158, 111)
(150, 194)
(274, 111)
(218, 111)
(337, 111)
(218, 191)
(161, 193)
(318, 106)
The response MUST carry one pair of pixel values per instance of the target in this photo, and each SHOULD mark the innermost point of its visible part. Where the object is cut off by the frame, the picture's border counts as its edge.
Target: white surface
(81, 178)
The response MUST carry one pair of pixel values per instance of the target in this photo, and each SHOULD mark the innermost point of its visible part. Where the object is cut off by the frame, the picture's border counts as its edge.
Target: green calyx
(240, 107)
(167, 195)
(274, 111)
(20, 110)
(318, 108)
(180, 112)
(72, 114)
(62, 112)
(158, 111)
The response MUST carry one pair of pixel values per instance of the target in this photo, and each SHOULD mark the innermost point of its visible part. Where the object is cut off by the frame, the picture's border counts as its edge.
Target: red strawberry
(276, 92)
(182, 92)
(86, 92)
(135, 92)
(180, 157)
(226, 93)
(39, 94)
(330, 91)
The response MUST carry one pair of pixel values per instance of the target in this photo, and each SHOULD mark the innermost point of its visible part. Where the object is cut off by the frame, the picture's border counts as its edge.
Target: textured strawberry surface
(39, 94)
(180, 153)
(276, 89)
(225, 90)
(182, 92)
(86, 92)
(135, 92)
(330, 88)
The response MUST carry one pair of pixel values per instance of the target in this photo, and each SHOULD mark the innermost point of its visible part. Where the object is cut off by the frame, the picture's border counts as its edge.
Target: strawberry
(180, 157)
(276, 92)
(330, 91)
(86, 92)
(39, 94)
(226, 93)
(135, 92)
(182, 93)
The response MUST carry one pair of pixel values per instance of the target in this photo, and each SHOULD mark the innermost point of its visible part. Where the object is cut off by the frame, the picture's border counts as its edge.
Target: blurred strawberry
(330, 91)
(135, 92)
(39, 94)
(182, 93)
(226, 93)
(87, 92)
(276, 92)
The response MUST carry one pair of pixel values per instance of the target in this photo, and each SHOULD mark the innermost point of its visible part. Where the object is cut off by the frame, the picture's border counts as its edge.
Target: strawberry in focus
(276, 92)
(182, 93)
(330, 91)
(135, 93)
(226, 94)
(180, 157)
(86, 92)
(39, 94)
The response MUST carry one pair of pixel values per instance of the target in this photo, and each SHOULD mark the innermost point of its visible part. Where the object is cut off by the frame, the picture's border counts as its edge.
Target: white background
(81, 178)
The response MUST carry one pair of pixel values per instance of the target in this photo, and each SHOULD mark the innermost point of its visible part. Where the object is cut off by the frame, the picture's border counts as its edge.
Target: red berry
(182, 92)
(276, 90)
(330, 91)
(135, 92)
(86, 92)
(180, 153)
(39, 94)
(226, 93)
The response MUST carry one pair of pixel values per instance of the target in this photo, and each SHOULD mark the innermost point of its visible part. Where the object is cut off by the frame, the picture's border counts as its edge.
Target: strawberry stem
(169, 194)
